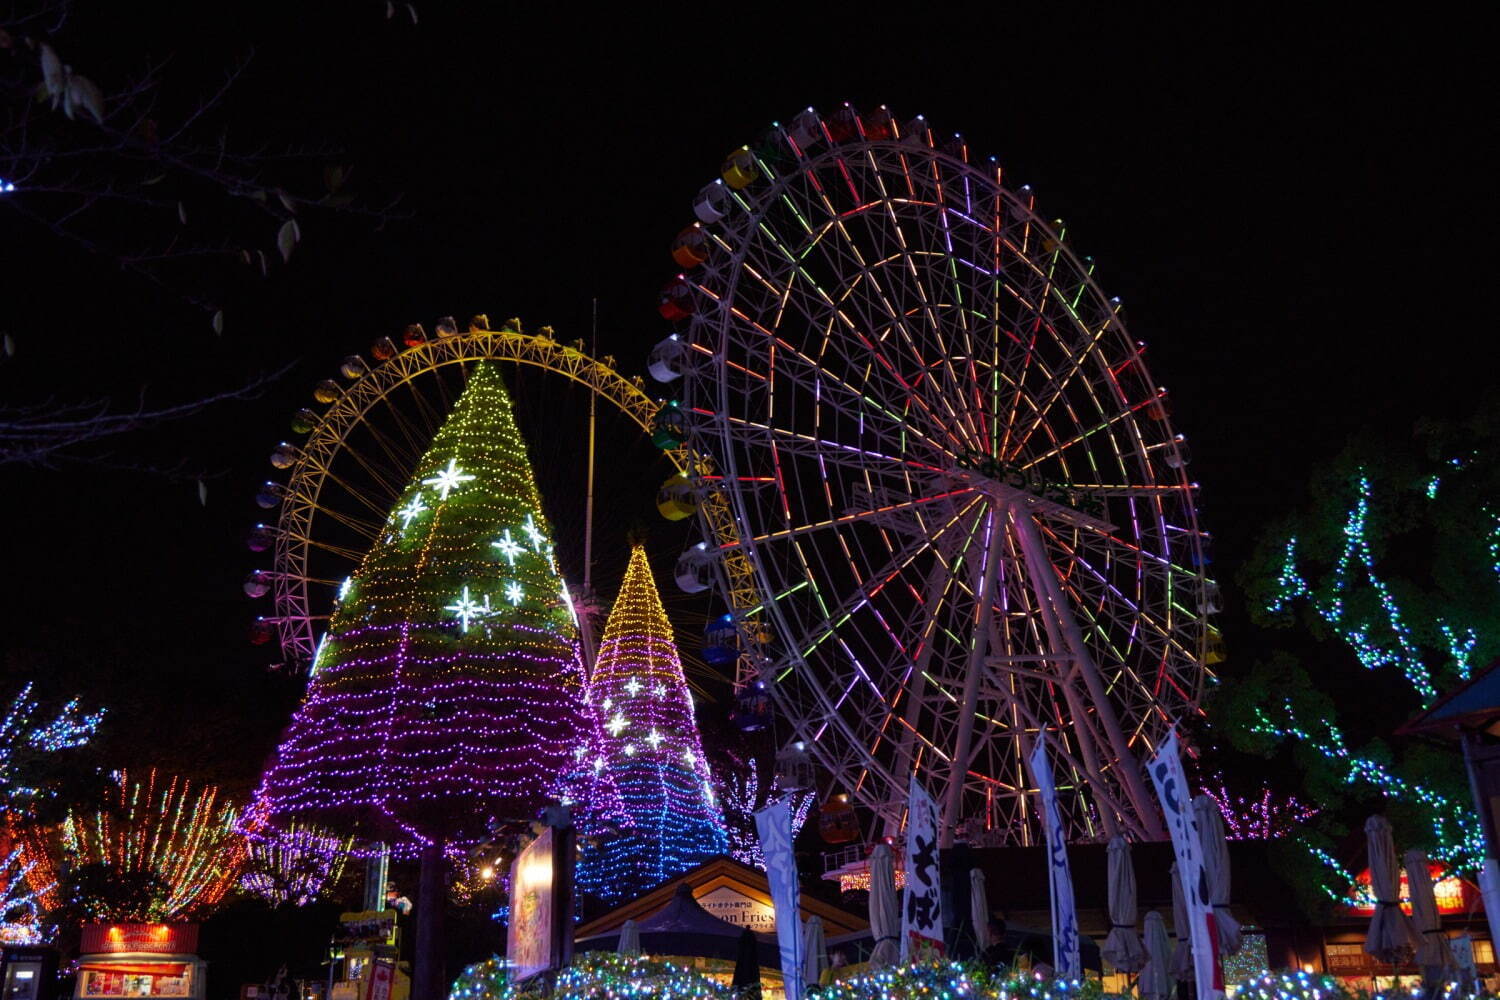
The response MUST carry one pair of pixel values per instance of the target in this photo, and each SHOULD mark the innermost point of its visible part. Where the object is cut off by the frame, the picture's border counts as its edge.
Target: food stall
(140, 960)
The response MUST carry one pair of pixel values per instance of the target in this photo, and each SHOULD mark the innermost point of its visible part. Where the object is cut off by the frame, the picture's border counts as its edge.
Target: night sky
(1291, 212)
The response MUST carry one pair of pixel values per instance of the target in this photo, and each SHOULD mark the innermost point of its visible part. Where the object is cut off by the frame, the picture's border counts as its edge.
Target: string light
(738, 790)
(296, 865)
(594, 976)
(1456, 838)
(184, 845)
(436, 708)
(673, 823)
(1303, 985)
(24, 890)
(1264, 817)
(23, 739)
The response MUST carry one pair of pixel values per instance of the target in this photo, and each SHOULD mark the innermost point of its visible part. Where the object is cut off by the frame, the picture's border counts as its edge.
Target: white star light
(344, 587)
(608, 704)
(508, 546)
(449, 479)
(533, 533)
(578, 752)
(617, 725)
(630, 749)
(465, 609)
(654, 739)
(410, 511)
(688, 756)
(660, 690)
(598, 764)
(513, 592)
(633, 687)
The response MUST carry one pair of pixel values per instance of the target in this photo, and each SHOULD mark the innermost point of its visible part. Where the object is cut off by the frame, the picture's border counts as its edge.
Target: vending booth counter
(140, 960)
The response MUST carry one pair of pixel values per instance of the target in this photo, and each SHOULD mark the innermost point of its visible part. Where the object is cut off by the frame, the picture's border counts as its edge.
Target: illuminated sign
(530, 931)
(739, 909)
(148, 939)
(1453, 895)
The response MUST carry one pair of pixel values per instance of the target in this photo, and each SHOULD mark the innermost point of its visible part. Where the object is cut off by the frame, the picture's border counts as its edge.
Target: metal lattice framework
(966, 511)
(306, 511)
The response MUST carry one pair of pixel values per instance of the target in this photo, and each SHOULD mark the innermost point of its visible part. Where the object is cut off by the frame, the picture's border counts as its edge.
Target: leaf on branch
(286, 201)
(412, 10)
(182, 213)
(263, 269)
(85, 93)
(10, 346)
(287, 239)
(390, 10)
(153, 180)
(219, 322)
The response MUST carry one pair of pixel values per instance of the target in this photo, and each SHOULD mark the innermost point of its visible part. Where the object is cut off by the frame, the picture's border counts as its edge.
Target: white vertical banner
(1065, 961)
(774, 825)
(1176, 805)
(922, 901)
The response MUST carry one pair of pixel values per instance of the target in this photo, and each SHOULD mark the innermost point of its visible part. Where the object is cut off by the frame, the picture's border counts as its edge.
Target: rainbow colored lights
(450, 692)
(183, 846)
(652, 749)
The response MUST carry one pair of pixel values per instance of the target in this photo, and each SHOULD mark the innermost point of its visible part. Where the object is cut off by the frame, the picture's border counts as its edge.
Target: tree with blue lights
(651, 748)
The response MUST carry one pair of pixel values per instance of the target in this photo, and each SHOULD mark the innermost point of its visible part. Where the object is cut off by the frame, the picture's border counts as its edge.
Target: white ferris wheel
(948, 507)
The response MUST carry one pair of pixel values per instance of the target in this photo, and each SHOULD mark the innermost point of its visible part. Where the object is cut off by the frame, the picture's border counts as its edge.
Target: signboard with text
(149, 939)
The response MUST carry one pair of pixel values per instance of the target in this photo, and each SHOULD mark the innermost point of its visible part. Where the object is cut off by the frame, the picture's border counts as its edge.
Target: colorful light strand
(450, 691)
(651, 750)
(297, 865)
(23, 896)
(738, 783)
(1264, 817)
(186, 843)
(594, 976)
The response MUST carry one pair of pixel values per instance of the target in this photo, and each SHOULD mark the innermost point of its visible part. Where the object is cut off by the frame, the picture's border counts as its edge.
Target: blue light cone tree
(449, 691)
(651, 749)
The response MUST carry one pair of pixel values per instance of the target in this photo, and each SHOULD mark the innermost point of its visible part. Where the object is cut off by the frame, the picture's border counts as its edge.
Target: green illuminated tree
(1394, 568)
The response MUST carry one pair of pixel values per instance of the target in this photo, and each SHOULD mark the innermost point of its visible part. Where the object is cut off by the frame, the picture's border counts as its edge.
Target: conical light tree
(449, 691)
(652, 749)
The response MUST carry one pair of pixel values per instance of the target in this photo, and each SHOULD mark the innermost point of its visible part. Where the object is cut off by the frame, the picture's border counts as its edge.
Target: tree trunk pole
(427, 982)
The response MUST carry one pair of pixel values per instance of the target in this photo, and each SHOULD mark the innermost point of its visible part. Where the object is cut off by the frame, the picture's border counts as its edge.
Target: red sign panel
(149, 939)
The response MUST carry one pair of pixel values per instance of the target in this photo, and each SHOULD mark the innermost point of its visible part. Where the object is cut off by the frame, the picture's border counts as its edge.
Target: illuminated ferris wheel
(966, 517)
(358, 450)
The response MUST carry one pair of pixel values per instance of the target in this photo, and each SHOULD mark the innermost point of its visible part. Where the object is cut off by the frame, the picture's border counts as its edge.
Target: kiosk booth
(140, 960)
(365, 958)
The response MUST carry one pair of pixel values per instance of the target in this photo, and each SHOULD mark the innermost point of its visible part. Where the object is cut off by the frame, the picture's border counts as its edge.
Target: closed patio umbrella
(814, 951)
(630, 939)
(1122, 948)
(979, 909)
(885, 912)
(1157, 981)
(1390, 932)
(1216, 864)
(746, 981)
(1182, 951)
(1433, 953)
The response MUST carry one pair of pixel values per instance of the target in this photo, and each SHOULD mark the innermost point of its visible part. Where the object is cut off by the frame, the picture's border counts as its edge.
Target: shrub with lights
(1307, 986)
(594, 976)
(952, 980)
(651, 749)
(449, 691)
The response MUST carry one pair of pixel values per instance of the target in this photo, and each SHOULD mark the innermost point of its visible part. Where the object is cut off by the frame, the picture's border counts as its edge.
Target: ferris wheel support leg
(1039, 567)
(1063, 664)
(986, 579)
